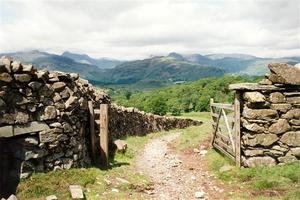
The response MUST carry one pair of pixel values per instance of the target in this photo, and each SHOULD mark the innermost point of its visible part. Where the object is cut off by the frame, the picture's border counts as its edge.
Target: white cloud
(136, 29)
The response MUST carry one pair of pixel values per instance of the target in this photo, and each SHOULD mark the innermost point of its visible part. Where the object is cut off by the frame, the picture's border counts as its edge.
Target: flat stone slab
(30, 128)
(6, 131)
(253, 87)
(76, 192)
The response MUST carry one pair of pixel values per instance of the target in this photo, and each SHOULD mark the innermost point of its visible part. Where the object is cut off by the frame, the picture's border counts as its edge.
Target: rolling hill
(158, 69)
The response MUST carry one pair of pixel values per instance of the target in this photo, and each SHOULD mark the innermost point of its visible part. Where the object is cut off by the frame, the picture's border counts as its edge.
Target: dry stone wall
(43, 117)
(44, 120)
(130, 121)
(270, 118)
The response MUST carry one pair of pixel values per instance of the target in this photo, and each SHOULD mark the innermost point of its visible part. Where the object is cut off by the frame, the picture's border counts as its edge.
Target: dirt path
(177, 174)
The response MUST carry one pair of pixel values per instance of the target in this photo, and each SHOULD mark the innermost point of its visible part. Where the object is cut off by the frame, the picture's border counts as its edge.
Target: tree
(156, 105)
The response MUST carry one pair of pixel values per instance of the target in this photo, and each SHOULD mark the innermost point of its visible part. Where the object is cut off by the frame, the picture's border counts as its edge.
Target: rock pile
(270, 119)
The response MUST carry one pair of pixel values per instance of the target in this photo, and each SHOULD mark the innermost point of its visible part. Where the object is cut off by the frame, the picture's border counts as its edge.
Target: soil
(178, 174)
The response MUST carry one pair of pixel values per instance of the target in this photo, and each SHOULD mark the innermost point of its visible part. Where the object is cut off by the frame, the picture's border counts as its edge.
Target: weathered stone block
(273, 153)
(254, 152)
(295, 113)
(6, 131)
(254, 97)
(260, 113)
(5, 77)
(295, 151)
(265, 82)
(295, 99)
(31, 141)
(22, 118)
(56, 97)
(55, 125)
(260, 161)
(275, 79)
(277, 97)
(30, 127)
(280, 148)
(48, 136)
(71, 101)
(260, 139)
(282, 107)
(295, 122)
(58, 86)
(76, 192)
(254, 127)
(24, 78)
(291, 138)
(35, 85)
(280, 126)
(62, 137)
(287, 73)
(49, 113)
(287, 159)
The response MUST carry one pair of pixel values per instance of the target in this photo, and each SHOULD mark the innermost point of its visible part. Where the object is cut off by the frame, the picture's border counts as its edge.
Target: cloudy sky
(137, 29)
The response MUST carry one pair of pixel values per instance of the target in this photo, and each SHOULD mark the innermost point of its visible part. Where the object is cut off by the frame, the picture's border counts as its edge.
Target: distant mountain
(156, 71)
(85, 59)
(230, 55)
(177, 56)
(166, 69)
(241, 64)
(55, 62)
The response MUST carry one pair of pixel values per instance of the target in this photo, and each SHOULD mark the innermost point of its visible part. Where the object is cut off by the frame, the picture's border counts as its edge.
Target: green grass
(192, 136)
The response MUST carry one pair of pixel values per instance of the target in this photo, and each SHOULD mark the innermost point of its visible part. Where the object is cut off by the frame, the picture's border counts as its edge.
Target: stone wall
(44, 121)
(270, 118)
(46, 114)
(131, 121)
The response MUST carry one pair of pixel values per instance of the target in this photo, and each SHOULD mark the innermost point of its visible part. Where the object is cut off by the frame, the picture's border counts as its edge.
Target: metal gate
(226, 129)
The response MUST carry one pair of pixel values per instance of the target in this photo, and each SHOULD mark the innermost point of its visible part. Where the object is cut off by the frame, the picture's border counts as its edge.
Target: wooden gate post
(104, 134)
(92, 129)
(237, 115)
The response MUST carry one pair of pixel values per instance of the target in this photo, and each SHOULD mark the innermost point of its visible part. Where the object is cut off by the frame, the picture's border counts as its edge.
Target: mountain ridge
(156, 70)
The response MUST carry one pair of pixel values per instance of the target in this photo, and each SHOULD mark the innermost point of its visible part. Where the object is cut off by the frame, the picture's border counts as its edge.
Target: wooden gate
(99, 118)
(226, 129)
